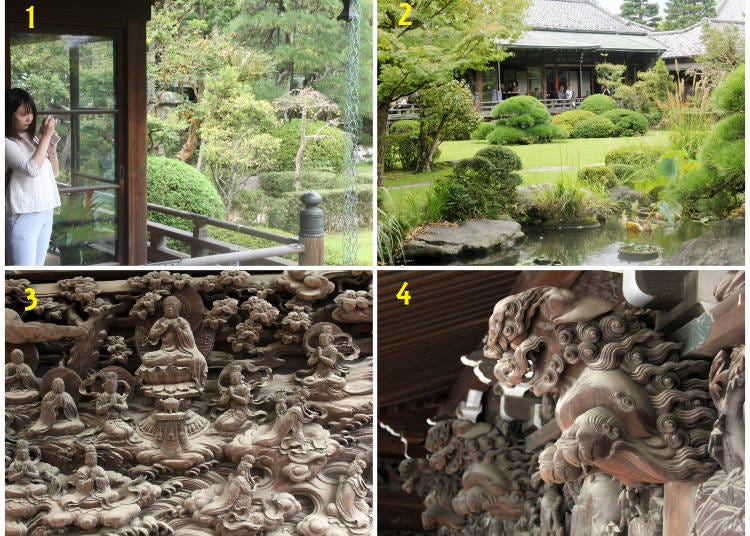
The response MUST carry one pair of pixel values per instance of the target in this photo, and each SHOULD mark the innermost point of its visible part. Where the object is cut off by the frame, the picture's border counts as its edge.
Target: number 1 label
(30, 11)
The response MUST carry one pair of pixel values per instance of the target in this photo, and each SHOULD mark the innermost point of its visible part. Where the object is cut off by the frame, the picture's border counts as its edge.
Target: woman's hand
(48, 127)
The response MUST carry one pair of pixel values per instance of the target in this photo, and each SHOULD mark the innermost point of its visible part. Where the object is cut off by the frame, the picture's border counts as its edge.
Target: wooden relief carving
(195, 405)
(628, 404)
(591, 420)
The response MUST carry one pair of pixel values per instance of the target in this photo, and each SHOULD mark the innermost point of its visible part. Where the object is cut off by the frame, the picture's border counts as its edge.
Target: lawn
(571, 153)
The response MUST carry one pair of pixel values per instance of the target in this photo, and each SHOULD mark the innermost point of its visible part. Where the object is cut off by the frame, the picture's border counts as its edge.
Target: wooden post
(679, 507)
(199, 231)
(311, 233)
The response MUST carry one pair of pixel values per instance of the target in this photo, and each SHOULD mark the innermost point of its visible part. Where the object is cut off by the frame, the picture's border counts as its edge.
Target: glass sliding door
(73, 77)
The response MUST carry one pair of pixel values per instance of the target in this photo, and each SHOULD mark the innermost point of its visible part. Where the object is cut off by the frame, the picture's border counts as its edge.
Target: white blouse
(29, 188)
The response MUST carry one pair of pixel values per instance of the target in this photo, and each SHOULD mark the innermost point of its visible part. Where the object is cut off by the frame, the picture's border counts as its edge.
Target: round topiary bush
(597, 177)
(501, 157)
(638, 155)
(481, 132)
(503, 135)
(326, 153)
(594, 127)
(174, 184)
(521, 112)
(479, 189)
(546, 132)
(627, 122)
(598, 104)
(568, 120)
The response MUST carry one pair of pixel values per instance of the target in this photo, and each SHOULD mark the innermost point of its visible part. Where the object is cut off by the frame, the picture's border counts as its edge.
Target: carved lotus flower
(15, 288)
(80, 289)
(117, 349)
(353, 299)
(296, 321)
(260, 310)
(247, 334)
(220, 313)
(234, 278)
(262, 289)
(146, 305)
(98, 307)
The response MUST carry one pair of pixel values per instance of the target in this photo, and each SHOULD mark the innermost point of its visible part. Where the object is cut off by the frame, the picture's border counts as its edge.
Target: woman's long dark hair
(14, 99)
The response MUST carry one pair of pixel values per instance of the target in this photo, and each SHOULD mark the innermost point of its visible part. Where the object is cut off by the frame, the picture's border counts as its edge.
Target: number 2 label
(402, 21)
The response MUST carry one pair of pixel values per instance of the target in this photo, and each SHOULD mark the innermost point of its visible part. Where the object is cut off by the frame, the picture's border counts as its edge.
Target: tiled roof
(687, 43)
(578, 16)
(731, 10)
(587, 40)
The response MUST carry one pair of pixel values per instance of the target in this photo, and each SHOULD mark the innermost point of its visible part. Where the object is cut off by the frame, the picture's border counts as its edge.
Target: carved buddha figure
(21, 386)
(92, 486)
(179, 359)
(236, 399)
(59, 415)
(28, 476)
(326, 345)
(112, 405)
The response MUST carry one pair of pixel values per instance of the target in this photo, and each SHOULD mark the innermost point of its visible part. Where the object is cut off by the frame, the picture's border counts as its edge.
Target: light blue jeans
(27, 238)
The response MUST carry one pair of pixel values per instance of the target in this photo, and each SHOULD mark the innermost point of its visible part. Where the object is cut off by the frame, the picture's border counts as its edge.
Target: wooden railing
(554, 106)
(206, 251)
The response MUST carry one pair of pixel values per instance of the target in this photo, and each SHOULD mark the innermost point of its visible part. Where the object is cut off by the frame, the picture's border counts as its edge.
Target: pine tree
(683, 13)
(640, 11)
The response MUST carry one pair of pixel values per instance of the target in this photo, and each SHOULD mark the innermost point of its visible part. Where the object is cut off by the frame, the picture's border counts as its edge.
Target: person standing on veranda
(30, 188)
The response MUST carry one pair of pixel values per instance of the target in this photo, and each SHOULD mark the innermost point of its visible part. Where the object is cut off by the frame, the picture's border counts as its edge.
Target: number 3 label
(32, 299)
(402, 21)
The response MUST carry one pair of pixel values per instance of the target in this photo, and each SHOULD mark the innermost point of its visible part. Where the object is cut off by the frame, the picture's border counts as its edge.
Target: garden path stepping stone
(470, 238)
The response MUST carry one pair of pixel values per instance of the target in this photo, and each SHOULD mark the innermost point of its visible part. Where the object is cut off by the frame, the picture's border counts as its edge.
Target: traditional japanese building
(564, 42)
(685, 45)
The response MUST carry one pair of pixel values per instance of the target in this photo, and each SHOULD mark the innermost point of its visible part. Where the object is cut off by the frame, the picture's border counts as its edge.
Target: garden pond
(588, 247)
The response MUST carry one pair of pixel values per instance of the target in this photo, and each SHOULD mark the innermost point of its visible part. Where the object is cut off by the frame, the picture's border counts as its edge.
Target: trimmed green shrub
(402, 147)
(480, 189)
(598, 104)
(564, 203)
(326, 153)
(174, 184)
(275, 183)
(501, 158)
(283, 212)
(522, 120)
(546, 132)
(597, 177)
(568, 120)
(503, 135)
(594, 127)
(627, 122)
(624, 173)
(481, 132)
(639, 155)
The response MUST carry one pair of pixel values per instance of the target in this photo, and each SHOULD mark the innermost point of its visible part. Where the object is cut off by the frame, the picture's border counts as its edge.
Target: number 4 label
(404, 294)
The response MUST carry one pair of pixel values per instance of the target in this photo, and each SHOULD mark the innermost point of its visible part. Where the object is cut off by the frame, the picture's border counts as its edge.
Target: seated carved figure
(112, 405)
(326, 345)
(29, 477)
(235, 400)
(178, 360)
(628, 405)
(100, 498)
(21, 386)
(59, 415)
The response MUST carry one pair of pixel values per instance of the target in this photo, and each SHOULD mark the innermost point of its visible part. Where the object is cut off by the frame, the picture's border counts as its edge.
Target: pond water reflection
(589, 247)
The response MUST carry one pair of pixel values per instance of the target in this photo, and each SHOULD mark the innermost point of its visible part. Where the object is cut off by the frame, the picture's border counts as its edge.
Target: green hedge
(503, 135)
(594, 127)
(598, 104)
(481, 132)
(638, 155)
(502, 158)
(325, 153)
(275, 183)
(568, 120)
(174, 184)
(283, 212)
(627, 122)
(597, 177)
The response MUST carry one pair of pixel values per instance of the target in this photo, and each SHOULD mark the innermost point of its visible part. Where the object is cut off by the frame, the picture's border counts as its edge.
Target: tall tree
(443, 40)
(641, 11)
(683, 13)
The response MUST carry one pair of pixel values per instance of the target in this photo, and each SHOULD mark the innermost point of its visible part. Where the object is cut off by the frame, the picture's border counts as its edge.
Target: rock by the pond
(470, 238)
(721, 245)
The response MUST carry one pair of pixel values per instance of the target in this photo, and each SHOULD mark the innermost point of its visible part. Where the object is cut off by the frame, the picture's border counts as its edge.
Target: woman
(30, 189)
